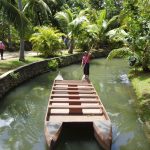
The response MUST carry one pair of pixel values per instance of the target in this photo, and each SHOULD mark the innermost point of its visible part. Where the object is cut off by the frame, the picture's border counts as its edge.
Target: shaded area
(77, 137)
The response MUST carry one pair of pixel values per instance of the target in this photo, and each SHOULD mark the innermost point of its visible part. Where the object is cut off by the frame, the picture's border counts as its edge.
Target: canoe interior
(76, 102)
(78, 134)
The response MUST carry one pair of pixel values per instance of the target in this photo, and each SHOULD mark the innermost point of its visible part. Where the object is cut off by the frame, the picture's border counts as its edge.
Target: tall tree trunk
(9, 37)
(39, 18)
(145, 61)
(21, 54)
(71, 45)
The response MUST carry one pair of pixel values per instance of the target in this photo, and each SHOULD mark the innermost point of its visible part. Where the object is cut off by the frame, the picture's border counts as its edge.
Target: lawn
(141, 85)
(13, 63)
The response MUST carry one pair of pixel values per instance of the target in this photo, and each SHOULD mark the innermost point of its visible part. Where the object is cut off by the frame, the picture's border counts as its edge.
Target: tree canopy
(122, 27)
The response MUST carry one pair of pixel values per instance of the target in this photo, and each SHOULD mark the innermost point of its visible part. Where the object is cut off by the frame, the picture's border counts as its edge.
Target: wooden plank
(76, 113)
(81, 84)
(76, 118)
(72, 88)
(74, 96)
(74, 106)
(70, 81)
(73, 100)
(74, 91)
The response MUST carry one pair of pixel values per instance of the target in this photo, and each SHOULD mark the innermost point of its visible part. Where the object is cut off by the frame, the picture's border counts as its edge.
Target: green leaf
(120, 52)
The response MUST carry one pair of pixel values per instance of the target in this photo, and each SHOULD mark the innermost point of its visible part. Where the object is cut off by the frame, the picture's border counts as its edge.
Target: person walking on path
(2, 48)
(86, 65)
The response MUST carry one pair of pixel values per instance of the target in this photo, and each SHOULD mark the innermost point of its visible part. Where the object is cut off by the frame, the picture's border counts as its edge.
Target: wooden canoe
(75, 102)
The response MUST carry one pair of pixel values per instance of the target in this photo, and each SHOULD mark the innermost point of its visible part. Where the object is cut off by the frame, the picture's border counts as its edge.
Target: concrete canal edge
(13, 78)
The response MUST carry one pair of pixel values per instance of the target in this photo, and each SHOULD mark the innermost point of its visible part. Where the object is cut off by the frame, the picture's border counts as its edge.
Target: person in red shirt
(2, 48)
(86, 64)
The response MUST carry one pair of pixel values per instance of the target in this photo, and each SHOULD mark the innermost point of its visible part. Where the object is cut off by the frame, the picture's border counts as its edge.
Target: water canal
(22, 111)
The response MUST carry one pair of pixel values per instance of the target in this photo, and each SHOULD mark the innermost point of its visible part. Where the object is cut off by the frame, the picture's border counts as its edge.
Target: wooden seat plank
(81, 84)
(74, 106)
(76, 113)
(74, 91)
(73, 100)
(74, 96)
(76, 118)
(72, 88)
(70, 81)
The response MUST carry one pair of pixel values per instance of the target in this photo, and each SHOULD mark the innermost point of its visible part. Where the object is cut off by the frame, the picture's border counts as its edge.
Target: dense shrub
(46, 40)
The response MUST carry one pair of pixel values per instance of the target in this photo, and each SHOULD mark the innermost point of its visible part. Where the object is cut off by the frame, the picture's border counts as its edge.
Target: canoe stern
(52, 132)
(103, 133)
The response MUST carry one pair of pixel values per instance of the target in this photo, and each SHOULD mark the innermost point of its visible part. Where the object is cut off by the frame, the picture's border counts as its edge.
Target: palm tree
(93, 31)
(70, 24)
(36, 8)
(15, 17)
(21, 55)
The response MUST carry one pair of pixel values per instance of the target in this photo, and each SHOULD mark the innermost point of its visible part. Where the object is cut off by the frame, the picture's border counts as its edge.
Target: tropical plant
(70, 24)
(93, 33)
(53, 64)
(37, 11)
(113, 7)
(15, 16)
(137, 40)
(46, 40)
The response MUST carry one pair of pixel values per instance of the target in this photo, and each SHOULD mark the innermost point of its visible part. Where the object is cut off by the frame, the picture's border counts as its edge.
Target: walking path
(10, 55)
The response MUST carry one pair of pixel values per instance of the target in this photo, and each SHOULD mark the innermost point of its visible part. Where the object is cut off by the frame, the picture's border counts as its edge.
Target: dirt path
(11, 55)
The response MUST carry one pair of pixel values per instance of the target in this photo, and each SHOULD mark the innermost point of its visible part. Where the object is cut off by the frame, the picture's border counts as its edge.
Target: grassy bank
(13, 63)
(141, 85)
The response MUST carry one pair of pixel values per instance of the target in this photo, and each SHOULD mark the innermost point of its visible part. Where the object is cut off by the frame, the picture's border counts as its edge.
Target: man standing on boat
(86, 65)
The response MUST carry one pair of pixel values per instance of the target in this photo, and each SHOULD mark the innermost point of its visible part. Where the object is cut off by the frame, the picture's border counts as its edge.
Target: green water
(22, 111)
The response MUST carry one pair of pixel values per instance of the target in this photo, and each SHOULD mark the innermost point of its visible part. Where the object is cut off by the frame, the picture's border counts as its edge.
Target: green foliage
(135, 20)
(37, 11)
(53, 64)
(121, 52)
(93, 33)
(117, 35)
(64, 18)
(14, 16)
(46, 40)
(141, 85)
(112, 7)
(15, 75)
(71, 24)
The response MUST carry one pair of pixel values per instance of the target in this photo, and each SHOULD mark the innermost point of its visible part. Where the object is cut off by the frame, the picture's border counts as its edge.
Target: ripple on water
(6, 122)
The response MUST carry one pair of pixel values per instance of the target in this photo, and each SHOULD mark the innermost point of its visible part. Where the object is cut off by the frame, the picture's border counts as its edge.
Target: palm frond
(62, 18)
(26, 6)
(112, 20)
(14, 16)
(117, 35)
(40, 4)
(77, 21)
(84, 12)
(92, 28)
(120, 52)
(101, 18)
(44, 6)
(69, 14)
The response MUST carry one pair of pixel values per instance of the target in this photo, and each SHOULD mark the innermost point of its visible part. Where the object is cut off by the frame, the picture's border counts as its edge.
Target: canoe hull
(76, 102)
